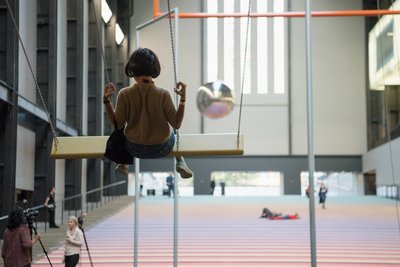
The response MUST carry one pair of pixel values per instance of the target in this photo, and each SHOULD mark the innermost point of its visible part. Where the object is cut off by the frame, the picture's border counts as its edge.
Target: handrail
(81, 206)
(74, 207)
(93, 190)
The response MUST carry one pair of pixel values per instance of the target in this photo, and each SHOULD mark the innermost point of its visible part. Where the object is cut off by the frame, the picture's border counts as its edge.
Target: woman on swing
(147, 111)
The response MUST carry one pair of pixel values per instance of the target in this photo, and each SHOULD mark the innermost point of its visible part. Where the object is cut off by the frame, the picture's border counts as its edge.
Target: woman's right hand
(109, 90)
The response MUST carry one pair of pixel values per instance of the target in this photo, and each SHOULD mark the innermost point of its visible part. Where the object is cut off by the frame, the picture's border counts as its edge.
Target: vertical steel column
(176, 192)
(310, 136)
(175, 254)
(136, 213)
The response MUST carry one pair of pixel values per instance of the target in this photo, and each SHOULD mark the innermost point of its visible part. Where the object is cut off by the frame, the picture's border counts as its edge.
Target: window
(247, 183)
(265, 69)
(338, 183)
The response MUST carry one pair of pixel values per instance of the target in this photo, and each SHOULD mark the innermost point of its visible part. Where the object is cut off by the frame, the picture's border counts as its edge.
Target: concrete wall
(62, 60)
(27, 31)
(275, 127)
(25, 169)
(384, 162)
(338, 58)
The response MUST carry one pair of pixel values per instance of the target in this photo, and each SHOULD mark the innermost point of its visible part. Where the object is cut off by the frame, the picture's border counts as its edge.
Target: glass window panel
(247, 183)
(279, 49)
(262, 49)
(244, 5)
(229, 45)
(212, 42)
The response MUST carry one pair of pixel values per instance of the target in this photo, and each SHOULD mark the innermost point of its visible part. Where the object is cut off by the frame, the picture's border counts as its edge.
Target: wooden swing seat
(79, 147)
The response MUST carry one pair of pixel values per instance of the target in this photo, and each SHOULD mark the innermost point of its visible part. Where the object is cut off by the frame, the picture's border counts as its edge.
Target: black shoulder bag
(115, 147)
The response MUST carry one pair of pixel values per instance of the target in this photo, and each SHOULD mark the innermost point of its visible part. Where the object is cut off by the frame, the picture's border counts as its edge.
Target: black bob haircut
(143, 62)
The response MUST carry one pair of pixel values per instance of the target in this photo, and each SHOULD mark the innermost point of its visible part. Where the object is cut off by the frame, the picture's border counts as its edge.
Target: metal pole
(310, 137)
(176, 187)
(136, 213)
(176, 206)
(175, 253)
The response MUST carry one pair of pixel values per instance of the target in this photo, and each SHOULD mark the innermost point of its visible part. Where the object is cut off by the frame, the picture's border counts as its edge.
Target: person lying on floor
(266, 213)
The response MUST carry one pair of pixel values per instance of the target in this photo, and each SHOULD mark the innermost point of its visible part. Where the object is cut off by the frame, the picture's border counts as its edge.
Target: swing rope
(174, 64)
(244, 67)
(387, 119)
(33, 75)
(100, 42)
(244, 72)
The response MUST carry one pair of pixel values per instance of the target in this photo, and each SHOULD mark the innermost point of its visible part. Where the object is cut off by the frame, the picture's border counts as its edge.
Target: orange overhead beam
(156, 8)
(290, 14)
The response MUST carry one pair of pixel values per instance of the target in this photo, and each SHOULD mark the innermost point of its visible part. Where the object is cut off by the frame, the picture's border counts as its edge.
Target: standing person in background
(50, 200)
(141, 181)
(212, 185)
(16, 251)
(322, 194)
(170, 184)
(73, 242)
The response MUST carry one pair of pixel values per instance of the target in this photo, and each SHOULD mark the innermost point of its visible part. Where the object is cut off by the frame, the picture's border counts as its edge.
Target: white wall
(61, 109)
(27, 30)
(339, 75)
(25, 163)
(62, 60)
(339, 83)
(60, 187)
(384, 161)
(85, 67)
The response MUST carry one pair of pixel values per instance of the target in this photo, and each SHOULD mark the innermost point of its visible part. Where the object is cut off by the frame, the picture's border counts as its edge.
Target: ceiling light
(119, 35)
(106, 12)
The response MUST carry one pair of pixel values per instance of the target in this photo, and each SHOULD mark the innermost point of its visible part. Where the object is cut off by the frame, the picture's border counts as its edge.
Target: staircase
(54, 237)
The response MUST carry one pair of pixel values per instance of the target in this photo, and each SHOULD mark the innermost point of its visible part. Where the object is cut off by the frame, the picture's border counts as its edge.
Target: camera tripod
(31, 227)
(80, 224)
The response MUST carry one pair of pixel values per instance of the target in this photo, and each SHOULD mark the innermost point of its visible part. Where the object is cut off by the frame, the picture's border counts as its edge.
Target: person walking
(212, 186)
(323, 191)
(170, 183)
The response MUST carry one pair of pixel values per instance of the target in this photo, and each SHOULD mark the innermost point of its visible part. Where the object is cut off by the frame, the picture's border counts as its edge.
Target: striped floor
(223, 231)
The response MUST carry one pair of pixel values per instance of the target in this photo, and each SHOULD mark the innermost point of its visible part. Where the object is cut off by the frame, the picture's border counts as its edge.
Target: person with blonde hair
(73, 242)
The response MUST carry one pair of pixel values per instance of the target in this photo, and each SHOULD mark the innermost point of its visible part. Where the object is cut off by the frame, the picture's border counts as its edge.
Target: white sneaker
(122, 168)
(183, 169)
